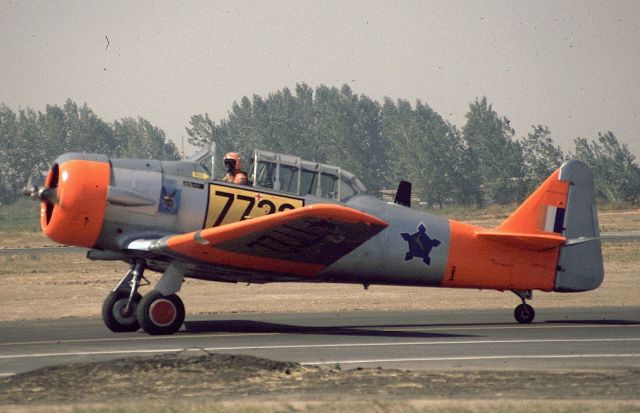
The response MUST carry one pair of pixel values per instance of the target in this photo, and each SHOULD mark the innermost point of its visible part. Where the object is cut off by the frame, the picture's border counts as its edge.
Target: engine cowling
(74, 200)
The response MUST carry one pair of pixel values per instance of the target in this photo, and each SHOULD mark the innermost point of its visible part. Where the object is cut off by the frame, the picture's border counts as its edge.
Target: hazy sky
(571, 65)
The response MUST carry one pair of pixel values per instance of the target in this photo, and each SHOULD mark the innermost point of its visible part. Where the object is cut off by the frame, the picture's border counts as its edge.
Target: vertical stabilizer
(543, 212)
(563, 206)
(580, 265)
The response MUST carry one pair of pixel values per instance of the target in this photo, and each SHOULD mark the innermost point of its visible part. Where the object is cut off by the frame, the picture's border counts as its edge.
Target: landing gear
(119, 308)
(524, 313)
(161, 311)
(160, 314)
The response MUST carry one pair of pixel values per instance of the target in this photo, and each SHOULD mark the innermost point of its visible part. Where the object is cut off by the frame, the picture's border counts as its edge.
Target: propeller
(44, 194)
(30, 189)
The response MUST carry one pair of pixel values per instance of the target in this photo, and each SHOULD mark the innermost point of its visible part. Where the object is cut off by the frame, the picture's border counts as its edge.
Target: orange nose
(75, 215)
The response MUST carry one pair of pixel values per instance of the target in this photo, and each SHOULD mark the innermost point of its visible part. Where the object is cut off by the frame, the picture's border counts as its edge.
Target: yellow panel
(227, 205)
(200, 175)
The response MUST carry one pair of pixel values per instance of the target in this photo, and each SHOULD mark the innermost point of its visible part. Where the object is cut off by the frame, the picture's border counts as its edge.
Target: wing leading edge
(300, 242)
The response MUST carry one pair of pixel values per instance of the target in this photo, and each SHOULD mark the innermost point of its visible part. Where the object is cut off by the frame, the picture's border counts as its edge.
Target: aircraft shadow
(250, 326)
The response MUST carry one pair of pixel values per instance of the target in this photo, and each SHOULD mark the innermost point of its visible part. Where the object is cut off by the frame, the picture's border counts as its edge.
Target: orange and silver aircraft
(300, 221)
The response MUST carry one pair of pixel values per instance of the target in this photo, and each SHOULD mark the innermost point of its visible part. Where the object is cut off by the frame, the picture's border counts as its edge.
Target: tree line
(381, 142)
(30, 141)
(384, 142)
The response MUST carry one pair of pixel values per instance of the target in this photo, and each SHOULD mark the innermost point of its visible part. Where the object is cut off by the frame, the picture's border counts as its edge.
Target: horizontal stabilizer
(528, 241)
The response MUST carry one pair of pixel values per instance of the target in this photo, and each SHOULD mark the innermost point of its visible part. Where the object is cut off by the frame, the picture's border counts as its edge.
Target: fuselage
(108, 204)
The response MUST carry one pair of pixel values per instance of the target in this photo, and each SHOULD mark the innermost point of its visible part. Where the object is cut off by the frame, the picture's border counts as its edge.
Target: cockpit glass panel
(204, 164)
(266, 174)
(308, 182)
(288, 178)
(328, 186)
(346, 190)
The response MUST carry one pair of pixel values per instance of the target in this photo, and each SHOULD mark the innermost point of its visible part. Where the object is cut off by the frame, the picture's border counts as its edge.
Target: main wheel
(524, 313)
(159, 314)
(114, 315)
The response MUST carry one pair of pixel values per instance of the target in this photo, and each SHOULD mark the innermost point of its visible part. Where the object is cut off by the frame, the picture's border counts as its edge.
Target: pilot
(234, 172)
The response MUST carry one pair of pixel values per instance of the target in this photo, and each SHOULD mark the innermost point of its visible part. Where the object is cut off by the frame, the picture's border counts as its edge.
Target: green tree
(328, 125)
(32, 159)
(368, 146)
(138, 138)
(540, 156)
(54, 131)
(427, 151)
(85, 132)
(30, 141)
(8, 147)
(495, 156)
(201, 131)
(400, 128)
(616, 174)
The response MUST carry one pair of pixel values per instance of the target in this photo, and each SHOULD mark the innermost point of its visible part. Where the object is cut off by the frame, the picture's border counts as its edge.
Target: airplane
(302, 221)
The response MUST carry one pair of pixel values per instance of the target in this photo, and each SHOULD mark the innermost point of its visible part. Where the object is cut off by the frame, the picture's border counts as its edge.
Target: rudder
(580, 265)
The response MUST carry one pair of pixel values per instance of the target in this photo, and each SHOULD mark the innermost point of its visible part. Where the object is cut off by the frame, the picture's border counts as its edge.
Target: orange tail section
(543, 212)
(551, 242)
(520, 254)
(538, 223)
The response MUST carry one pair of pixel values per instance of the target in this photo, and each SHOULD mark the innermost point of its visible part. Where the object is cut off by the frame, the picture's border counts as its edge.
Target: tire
(160, 315)
(112, 312)
(524, 313)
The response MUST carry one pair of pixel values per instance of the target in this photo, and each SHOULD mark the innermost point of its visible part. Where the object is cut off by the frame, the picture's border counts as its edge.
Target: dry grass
(616, 221)
(22, 239)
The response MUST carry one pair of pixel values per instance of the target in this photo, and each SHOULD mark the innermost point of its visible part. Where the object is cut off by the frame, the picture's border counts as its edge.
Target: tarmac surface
(559, 339)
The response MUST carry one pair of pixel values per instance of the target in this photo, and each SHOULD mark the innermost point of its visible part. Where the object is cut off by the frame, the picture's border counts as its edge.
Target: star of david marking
(420, 245)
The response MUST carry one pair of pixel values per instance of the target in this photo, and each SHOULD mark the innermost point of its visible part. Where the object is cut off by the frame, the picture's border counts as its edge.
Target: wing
(300, 242)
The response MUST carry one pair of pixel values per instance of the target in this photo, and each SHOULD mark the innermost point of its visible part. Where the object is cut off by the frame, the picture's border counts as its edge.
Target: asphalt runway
(568, 338)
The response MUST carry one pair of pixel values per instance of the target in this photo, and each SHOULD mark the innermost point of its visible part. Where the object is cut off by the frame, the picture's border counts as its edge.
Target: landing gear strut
(119, 308)
(524, 313)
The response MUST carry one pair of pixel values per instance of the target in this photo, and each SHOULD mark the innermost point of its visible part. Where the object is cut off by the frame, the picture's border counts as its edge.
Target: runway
(571, 338)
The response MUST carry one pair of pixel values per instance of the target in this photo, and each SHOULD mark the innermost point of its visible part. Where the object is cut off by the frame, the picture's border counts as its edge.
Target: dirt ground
(234, 378)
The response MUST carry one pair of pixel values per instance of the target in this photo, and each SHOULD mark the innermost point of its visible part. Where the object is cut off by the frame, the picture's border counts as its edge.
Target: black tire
(159, 314)
(113, 312)
(524, 313)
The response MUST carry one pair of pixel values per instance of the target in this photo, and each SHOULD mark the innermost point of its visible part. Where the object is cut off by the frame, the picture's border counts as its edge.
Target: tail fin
(580, 266)
(562, 211)
(543, 212)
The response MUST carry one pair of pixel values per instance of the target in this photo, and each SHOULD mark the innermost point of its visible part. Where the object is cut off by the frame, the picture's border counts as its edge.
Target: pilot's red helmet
(233, 156)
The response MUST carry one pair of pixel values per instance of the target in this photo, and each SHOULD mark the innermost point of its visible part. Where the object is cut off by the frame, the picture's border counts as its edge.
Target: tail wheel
(114, 315)
(159, 314)
(524, 313)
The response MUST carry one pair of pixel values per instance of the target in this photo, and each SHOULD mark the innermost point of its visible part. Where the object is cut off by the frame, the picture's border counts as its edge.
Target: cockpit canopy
(291, 174)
